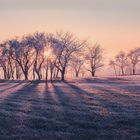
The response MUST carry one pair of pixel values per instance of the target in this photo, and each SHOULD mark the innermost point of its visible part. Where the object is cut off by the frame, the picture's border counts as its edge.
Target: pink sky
(115, 25)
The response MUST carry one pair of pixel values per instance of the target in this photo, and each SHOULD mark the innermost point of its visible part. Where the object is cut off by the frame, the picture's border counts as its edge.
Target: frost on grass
(99, 108)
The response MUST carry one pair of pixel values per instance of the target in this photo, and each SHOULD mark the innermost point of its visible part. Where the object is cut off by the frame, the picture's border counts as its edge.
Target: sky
(115, 24)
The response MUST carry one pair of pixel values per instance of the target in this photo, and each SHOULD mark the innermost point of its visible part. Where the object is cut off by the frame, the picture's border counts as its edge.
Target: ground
(87, 109)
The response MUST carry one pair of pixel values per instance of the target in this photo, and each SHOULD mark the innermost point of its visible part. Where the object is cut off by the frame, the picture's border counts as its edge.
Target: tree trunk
(57, 72)
(122, 72)
(63, 74)
(77, 74)
(115, 71)
(33, 73)
(47, 73)
(38, 75)
(93, 71)
(26, 75)
(4, 72)
(51, 76)
(17, 74)
(134, 71)
(17, 71)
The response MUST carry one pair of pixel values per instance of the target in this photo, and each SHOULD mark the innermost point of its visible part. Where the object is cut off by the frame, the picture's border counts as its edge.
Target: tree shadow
(12, 111)
(107, 80)
(115, 115)
(64, 111)
(11, 87)
(82, 121)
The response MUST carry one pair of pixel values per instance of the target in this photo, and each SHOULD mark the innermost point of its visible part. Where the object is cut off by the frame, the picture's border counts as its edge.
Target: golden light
(47, 53)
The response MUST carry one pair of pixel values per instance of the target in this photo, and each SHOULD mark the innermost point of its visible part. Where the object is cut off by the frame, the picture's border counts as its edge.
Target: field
(84, 109)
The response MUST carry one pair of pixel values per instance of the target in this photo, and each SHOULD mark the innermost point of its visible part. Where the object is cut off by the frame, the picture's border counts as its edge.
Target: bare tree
(68, 44)
(113, 64)
(38, 41)
(6, 61)
(3, 61)
(29, 56)
(121, 61)
(4, 68)
(134, 56)
(77, 62)
(22, 53)
(94, 58)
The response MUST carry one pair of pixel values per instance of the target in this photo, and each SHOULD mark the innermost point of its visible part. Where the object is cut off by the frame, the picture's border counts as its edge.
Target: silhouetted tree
(31, 54)
(6, 60)
(94, 58)
(121, 61)
(39, 42)
(134, 56)
(23, 54)
(68, 44)
(113, 64)
(77, 62)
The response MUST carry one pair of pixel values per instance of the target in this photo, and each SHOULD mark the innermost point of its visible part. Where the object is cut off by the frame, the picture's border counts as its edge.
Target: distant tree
(94, 58)
(77, 62)
(121, 61)
(113, 64)
(134, 56)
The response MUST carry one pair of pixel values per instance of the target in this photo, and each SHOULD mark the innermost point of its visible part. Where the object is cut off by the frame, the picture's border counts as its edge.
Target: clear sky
(115, 24)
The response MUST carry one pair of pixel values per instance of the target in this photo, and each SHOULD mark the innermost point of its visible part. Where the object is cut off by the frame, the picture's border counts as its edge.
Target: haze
(112, 23)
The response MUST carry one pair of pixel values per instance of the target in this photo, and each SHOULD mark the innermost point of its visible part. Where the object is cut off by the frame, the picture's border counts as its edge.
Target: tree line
(126, 63)
(48, 56)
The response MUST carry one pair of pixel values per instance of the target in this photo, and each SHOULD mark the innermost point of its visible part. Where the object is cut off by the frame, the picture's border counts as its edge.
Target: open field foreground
(88, 109)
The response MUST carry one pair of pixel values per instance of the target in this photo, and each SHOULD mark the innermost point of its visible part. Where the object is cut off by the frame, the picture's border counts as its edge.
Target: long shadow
(12, 109)
(121, 118)
(39, 119)
(14, 96)
(87, 97)
(104, 91)
(116, 83)
(82, 121)
(11, 87)
(106, 80)
(133, 88)
(42, 111)
(41, 98)
(119, 91)
(3, 83)
(42, 120)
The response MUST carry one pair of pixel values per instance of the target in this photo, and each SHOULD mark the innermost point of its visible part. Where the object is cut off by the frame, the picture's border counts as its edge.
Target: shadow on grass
(64, 111)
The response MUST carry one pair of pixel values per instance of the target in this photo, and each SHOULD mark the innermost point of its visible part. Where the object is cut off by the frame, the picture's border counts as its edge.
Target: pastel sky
(115, 24)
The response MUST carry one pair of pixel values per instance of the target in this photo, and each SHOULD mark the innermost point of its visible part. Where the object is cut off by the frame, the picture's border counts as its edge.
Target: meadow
(106, 108)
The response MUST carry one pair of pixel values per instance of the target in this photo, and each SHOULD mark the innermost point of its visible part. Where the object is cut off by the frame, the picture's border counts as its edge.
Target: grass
(88, 109)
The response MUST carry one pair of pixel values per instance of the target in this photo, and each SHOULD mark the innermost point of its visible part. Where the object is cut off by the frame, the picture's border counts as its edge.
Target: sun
(47, 53)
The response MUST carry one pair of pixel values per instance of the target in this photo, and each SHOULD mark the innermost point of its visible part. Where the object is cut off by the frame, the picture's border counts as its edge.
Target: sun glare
(47, 53)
